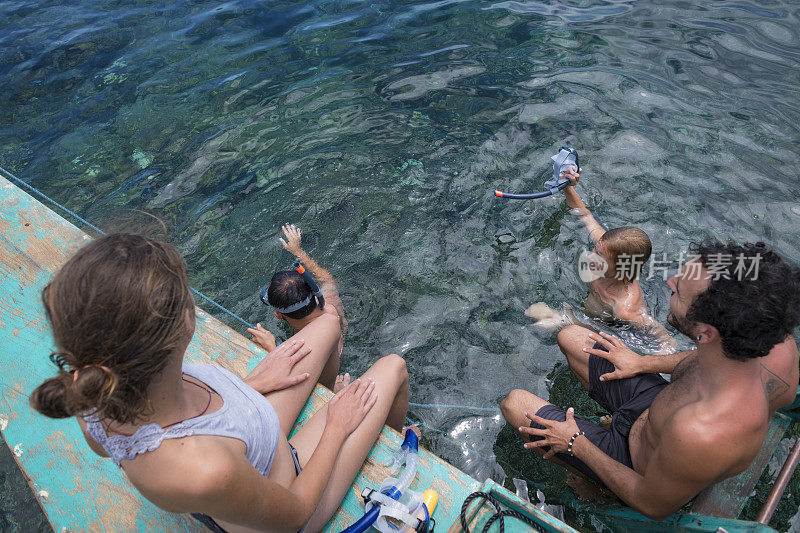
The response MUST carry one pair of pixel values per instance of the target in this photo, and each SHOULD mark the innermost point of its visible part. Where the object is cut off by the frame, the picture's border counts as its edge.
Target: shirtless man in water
(614, 292)
(669, 441)
(288, 288)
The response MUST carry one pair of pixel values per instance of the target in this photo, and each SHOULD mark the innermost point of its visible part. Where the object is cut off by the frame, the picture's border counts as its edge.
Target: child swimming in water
(615, 293)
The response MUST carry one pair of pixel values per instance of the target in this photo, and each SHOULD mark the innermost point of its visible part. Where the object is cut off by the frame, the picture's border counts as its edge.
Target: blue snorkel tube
(387, 500)
(565, 159)
(370, 516)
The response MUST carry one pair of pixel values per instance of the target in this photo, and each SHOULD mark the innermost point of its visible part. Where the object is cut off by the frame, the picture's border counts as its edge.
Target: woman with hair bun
(195, 438)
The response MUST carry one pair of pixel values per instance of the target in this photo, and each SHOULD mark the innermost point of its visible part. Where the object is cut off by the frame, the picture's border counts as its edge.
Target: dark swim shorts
(625, 399)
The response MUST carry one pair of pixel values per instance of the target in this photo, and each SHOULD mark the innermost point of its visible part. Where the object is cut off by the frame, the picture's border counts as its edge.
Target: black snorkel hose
(561, 185)
(298, 266)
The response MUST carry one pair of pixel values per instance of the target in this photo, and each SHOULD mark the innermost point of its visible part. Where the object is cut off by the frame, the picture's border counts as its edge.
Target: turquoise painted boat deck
(81, 491)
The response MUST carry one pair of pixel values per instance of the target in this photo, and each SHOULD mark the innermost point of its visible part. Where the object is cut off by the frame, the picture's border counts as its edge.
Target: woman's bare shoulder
(182, 471)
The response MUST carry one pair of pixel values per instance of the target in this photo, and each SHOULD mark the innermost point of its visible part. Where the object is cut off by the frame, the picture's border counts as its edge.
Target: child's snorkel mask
(563, 161)
(315, 292)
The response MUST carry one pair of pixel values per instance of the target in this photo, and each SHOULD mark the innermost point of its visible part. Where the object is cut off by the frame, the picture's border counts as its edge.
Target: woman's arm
(225, 486)
(233, 491)
(579, 209)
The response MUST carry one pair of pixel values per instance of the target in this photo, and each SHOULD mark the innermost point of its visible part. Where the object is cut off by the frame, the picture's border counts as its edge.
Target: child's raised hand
(573, 175)
(293, 236)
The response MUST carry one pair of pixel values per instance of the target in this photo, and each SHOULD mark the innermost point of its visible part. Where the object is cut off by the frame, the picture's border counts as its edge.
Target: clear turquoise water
(382, 128)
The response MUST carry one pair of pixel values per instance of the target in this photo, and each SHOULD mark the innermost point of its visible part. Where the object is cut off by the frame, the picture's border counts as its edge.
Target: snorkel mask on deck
(315, 293)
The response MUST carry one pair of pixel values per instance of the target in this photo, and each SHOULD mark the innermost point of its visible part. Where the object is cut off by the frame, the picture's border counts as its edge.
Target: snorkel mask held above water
(563, 161)
(315, 293)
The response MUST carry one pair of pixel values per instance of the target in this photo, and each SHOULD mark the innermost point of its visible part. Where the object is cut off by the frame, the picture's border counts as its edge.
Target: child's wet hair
(629, 249)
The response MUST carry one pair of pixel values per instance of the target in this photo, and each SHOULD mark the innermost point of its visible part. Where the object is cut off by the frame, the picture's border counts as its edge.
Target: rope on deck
(11, 177)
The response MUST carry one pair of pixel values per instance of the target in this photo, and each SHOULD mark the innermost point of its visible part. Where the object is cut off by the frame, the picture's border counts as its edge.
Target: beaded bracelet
(572, 441)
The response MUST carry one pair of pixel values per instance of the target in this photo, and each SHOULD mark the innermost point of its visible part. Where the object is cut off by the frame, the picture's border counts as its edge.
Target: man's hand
(556, 434)
(262, 337)
(292, 242)
(627, 363)
(273, 373)
(573, 175)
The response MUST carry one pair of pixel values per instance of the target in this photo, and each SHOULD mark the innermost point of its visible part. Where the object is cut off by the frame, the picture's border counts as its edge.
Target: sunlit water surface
(381, 128)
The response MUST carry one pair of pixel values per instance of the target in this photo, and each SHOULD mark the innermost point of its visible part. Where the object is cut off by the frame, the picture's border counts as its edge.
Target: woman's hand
(262, 337)
(349, 406)
(292, 242)
(556, 434)
(274, 372)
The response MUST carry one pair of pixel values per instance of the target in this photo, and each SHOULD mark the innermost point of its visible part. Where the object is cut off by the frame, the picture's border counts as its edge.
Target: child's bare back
(607, 301)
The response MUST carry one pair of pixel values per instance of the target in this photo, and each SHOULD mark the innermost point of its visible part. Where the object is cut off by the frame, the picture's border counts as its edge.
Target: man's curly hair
(752, 312)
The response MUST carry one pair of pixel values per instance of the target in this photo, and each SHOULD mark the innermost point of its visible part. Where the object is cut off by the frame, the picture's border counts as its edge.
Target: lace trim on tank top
(146, 438)
(245, 415)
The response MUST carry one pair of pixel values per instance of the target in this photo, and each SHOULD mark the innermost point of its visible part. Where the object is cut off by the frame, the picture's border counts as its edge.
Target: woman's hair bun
(50, 398)
(91, 385)
(71, 393)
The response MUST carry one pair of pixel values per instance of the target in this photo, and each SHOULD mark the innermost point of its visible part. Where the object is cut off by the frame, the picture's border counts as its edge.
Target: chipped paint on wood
(81, 491)
(84, 492)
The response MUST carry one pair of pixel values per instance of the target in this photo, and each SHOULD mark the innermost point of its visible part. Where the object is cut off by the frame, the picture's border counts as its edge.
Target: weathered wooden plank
(727, 498)
(86, 492)
(79, 491)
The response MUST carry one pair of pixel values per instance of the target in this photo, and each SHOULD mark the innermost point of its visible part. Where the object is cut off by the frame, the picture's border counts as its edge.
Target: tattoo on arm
(773, 385)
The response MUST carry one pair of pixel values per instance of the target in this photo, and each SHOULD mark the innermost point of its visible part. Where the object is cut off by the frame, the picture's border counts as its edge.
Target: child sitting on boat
(196, 438)
(612, 270)
(288, 289)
